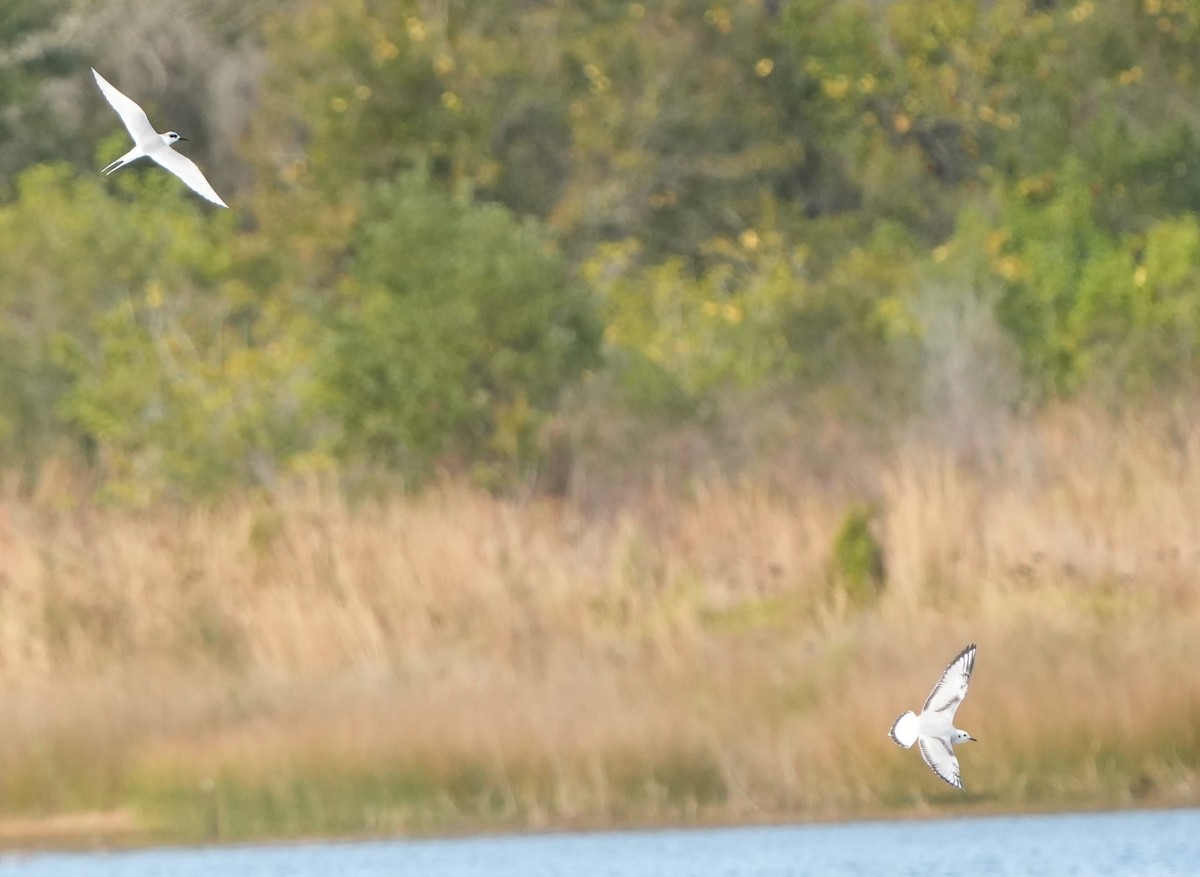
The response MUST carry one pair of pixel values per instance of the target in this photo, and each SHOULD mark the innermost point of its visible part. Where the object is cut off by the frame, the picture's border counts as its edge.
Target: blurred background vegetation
(580, 394)
(461, 231)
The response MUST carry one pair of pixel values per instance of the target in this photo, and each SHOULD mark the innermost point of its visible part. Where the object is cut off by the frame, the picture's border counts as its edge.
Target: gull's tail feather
(904, 730)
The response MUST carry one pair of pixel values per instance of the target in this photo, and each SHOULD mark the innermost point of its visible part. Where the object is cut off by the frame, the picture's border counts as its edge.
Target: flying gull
(933, 729)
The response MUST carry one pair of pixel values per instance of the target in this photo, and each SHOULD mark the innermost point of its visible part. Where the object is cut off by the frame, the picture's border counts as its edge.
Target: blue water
(1131, 844)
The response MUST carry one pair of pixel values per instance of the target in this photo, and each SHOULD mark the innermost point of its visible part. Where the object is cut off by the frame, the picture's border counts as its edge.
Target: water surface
(1137, 844)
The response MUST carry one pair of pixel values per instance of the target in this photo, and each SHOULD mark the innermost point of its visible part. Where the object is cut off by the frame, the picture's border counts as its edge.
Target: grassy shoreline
(303, 666)
(119, 830)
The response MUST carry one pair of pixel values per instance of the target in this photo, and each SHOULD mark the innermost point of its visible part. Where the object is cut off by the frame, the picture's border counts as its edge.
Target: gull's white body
(154, 146)
(933, 729)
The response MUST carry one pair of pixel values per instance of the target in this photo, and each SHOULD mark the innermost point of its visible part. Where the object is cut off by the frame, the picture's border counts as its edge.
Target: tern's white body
(154, 146)
(933, 728)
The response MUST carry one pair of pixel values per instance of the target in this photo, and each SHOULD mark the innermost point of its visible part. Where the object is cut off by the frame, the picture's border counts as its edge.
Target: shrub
(453, 334)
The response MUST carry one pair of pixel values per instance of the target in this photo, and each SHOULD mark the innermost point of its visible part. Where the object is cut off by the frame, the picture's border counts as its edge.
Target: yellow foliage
(384, 50)
(720, 19)
(293, 170)
(1131, 76)
(996, 240)
(836, 87)
(154, 294)
(1011, 267)
(415, 28)
(1033, 186)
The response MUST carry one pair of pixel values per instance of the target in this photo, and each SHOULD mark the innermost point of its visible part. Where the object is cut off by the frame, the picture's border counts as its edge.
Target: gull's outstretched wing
(134, 117)
(184, 168)
(940, 756)
(952, 687)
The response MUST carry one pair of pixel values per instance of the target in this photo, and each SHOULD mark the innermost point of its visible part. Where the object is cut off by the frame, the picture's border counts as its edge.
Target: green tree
(454, 332)
(28, 57)
(132, 335)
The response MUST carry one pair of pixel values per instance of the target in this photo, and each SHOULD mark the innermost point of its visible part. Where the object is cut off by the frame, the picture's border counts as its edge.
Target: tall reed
(302, 663)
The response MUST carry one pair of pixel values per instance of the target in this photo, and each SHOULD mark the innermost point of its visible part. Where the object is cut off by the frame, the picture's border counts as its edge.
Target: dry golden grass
(304, 664)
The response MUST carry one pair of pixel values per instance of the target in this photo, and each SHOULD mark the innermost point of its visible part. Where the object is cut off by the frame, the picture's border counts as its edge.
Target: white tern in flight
(148, 142)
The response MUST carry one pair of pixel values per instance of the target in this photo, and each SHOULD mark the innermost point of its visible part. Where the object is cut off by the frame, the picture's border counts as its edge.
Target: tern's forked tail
(904, 730)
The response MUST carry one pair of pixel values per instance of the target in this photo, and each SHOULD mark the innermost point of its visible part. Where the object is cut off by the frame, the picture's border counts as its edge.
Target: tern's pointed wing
(134, 117)
(952, 687)
(940, 756)
(184, 168)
